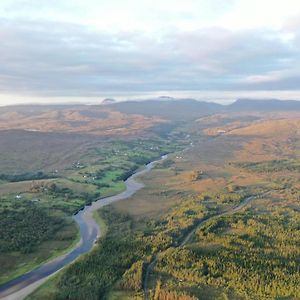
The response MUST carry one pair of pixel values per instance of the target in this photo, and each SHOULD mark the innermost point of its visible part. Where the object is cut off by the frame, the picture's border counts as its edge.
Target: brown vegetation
(84, 119)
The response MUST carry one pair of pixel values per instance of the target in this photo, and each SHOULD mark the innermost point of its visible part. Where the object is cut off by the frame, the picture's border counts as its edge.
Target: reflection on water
(89, 232)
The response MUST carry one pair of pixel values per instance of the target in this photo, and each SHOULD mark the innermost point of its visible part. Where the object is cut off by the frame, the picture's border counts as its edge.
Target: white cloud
(156, 15)
(84, 48)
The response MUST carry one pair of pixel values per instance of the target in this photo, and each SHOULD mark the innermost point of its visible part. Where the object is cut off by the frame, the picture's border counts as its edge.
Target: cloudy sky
(86, 50)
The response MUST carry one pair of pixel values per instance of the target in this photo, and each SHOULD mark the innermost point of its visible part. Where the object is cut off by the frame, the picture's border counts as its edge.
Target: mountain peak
(264, 105)
(108, 101)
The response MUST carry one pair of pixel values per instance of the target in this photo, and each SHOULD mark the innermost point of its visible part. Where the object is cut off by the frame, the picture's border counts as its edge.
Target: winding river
(23, 285)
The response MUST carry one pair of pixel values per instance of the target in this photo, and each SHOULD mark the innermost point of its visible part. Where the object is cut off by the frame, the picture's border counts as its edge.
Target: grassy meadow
(250, 253)
(185, 235)
(42, 207)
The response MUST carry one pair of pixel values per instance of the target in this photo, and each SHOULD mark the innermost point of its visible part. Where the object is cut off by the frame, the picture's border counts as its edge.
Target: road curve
(22, 286)
(189, 236)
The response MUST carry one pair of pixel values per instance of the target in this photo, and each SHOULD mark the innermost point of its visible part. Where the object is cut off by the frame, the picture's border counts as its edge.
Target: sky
(219, 50)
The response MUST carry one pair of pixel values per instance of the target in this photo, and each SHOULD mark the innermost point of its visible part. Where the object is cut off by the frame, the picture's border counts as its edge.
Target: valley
(100, 173)
(217, 219)
(150, 150)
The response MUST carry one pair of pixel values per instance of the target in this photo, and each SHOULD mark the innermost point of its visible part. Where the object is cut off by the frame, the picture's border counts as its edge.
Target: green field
(250, 253)
(181, 237)
(41, 208)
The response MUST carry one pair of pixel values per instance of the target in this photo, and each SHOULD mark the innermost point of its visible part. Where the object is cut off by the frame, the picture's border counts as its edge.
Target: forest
(229, 253)
(272, 166)
(244, 255)
(25, 176)
(37, 220)
(217, 221)
(25, 225)
(120, 260)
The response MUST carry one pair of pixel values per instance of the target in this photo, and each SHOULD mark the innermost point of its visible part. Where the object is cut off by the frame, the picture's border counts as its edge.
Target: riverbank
(89, 231)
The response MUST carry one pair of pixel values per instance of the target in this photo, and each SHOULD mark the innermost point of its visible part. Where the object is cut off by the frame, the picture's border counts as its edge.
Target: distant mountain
(189, 109)
(98, 120)
(108, 101)
(168, 108)
(264, 105)
(82, 118)
(167, 98)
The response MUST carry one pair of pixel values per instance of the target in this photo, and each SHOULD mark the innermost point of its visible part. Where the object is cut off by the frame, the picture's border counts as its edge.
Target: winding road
(22, 286)
(188, 237)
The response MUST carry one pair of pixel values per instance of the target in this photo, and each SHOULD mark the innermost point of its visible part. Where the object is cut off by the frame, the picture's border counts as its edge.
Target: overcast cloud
(94, 49)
